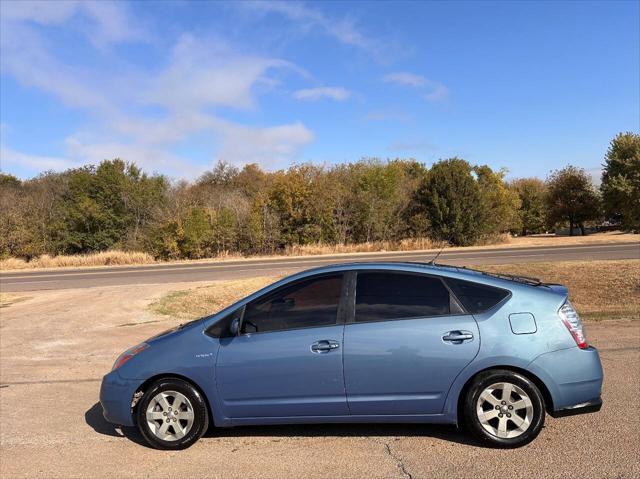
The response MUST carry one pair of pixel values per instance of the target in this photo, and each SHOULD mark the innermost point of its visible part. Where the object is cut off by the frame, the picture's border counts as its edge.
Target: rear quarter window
(476, 297)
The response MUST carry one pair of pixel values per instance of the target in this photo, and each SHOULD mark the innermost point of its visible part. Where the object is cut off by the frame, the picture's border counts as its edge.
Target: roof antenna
(433, 261)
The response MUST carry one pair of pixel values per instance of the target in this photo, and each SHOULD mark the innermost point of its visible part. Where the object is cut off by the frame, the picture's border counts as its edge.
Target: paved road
(56, 345)
(201, 271)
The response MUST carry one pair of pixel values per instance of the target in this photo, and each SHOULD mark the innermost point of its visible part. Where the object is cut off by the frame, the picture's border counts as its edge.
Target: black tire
(470, 408)
(198, 404)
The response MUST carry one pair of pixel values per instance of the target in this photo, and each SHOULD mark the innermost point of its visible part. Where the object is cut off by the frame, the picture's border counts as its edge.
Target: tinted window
(381, 296)
(308, 303)
(476, 297)
(220, 329)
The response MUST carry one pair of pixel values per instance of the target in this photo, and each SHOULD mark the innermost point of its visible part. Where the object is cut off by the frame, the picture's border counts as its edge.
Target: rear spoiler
(510, 277)
(558, 288)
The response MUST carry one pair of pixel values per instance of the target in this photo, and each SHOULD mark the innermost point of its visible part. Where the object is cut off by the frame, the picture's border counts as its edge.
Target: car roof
(460, 272)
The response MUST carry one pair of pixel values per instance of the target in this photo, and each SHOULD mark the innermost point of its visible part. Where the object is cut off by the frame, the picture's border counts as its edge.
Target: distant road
(208, 271)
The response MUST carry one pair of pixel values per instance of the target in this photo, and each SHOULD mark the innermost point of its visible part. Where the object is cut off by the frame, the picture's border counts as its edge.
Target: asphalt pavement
(56, 345)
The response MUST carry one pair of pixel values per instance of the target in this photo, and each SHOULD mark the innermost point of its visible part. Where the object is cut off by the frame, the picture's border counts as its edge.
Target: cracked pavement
(55, 347)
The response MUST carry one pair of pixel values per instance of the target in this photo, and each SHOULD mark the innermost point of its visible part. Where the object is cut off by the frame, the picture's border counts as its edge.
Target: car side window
(221, 328)
(384, 296)
(475, 297)
(312, 302)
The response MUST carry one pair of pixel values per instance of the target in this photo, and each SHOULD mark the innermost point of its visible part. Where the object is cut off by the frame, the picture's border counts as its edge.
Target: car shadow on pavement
(438, 431)
(94, 418)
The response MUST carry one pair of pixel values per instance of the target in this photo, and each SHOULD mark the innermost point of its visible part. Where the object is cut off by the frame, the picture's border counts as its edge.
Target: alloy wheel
(504, 410)
(170, 415)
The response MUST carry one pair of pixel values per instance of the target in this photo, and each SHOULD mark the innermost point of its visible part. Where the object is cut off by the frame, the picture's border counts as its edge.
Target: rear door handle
(457, 337)
(324, 346)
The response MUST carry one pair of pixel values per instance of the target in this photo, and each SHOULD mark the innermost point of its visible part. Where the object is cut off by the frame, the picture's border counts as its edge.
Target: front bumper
(116, 395)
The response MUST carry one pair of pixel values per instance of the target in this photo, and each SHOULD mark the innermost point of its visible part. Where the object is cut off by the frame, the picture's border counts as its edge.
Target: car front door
(400, 351)
(287, 358)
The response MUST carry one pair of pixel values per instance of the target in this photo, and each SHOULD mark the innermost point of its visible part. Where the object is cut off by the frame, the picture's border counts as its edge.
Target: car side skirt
(418, 419)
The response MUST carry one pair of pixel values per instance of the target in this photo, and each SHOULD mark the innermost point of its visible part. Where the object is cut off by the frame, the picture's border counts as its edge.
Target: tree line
(116, 205)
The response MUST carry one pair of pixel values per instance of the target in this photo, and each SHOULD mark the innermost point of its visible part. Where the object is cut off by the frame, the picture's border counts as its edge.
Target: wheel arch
(540, 384)
(148, 382)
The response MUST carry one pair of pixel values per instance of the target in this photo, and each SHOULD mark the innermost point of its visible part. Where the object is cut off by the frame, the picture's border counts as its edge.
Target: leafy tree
(222, 174)
(571, 198)
(248, 210)
(292, 198)
(500, 204)
(107, 206)
(450, 197)
(532, 209)
(377, 198)
(9, 181)
(621, 180)
(196, 234)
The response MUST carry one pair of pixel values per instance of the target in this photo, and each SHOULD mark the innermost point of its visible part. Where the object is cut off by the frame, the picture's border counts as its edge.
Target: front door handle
(457, 337)
(324, 346)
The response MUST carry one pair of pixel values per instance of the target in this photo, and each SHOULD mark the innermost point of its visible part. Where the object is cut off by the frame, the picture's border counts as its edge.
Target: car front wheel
(172, 414)
(504, 409)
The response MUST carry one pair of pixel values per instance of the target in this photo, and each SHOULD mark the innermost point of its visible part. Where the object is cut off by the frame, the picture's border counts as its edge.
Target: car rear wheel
(172, 414)
(504, 409)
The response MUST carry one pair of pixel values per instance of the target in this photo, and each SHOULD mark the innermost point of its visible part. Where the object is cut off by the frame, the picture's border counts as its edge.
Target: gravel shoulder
(56, 345)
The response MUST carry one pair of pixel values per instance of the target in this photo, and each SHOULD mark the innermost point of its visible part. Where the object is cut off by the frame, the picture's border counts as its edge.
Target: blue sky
(177, 86)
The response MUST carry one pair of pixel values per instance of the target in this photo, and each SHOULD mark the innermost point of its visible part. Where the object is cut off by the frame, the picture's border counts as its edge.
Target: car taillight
(573, 323)
(128, 354)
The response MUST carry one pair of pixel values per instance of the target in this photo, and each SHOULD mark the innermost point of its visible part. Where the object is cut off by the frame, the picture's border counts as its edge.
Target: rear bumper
(574, 378)
(583, 408)
(116, 395)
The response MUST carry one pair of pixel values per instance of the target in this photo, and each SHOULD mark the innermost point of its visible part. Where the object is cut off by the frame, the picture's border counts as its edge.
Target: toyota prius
(364, 342)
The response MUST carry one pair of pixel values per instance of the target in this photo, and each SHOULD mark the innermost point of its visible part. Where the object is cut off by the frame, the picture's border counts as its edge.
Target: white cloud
(143, 116)
(206, 73)
(149, 157)
(313, 94)
(439, 93)
(46, 13)
(103, 22)
(25, 56)
(38, 163)
(406, 79)
(270, 146)
(436, 91)
(344, 30)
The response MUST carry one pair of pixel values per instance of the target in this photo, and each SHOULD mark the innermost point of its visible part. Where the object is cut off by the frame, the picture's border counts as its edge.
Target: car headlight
(128, 354)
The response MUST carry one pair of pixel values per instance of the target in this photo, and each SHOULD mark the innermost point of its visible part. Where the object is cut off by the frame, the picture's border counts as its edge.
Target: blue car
(363, 342)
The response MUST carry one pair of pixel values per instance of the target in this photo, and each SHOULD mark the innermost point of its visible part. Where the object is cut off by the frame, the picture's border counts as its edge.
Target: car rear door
(287, 359)
(404, 344)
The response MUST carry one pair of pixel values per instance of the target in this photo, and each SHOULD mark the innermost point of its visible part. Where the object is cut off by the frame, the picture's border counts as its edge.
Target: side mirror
(234, 327)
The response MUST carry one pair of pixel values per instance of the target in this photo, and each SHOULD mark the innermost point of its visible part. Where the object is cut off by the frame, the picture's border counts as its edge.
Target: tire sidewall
(200, 414)
(490, 377)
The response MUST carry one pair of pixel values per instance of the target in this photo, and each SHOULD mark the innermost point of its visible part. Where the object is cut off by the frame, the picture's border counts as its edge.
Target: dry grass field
(608, 289)
(204, 300)
(599, 289)
(7, 299)
(106, 258)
